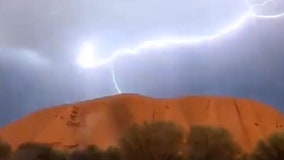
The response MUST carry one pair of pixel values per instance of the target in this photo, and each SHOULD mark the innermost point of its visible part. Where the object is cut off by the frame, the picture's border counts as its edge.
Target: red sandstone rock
(102, 121)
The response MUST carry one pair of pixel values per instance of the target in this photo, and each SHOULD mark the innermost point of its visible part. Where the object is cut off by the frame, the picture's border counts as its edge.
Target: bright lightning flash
(86, 58)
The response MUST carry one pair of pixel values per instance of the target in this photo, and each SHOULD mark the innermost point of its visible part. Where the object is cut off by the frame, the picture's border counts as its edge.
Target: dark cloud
(245, 64)
(23, 58)
(52, 27)
(40, 40)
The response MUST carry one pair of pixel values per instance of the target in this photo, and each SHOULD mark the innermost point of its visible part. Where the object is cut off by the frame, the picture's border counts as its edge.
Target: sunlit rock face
(102, 121)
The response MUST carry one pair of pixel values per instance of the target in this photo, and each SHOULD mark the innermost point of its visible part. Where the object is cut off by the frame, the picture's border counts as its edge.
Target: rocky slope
(101, 121)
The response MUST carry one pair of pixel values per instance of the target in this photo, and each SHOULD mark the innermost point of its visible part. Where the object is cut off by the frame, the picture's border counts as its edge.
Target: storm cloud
(40, 41)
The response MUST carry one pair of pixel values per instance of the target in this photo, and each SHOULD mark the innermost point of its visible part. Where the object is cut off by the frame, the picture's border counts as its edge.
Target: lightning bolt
(252, 6)
(117, 88)
(255, 15)
(165, 42)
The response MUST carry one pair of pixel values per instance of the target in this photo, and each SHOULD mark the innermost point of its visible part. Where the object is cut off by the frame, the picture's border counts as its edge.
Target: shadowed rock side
(102, 121)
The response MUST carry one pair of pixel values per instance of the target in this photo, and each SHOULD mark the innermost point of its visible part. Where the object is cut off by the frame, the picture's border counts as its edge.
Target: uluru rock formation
(102, 121)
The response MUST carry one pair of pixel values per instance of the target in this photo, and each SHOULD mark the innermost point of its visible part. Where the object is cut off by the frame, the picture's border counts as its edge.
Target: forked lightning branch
(87, 59)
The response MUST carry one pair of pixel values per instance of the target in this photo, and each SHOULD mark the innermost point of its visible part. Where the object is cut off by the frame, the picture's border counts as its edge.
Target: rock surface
(102, 121)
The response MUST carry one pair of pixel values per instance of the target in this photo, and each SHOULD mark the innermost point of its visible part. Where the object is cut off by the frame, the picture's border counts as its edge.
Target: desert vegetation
(5, 150)
(157, 141)
(152, 141)
(270, 149)
(209, 143)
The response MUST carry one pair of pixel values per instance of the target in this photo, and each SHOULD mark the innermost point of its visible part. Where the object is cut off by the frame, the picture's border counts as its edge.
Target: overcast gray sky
(41, 39)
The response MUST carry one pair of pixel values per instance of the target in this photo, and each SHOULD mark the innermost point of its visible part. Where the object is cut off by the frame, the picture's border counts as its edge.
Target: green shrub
(209, 143)
(5, 150)
(152, 141)
(270, 149)
(112, 153)
(90, 153)
(37, 151)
